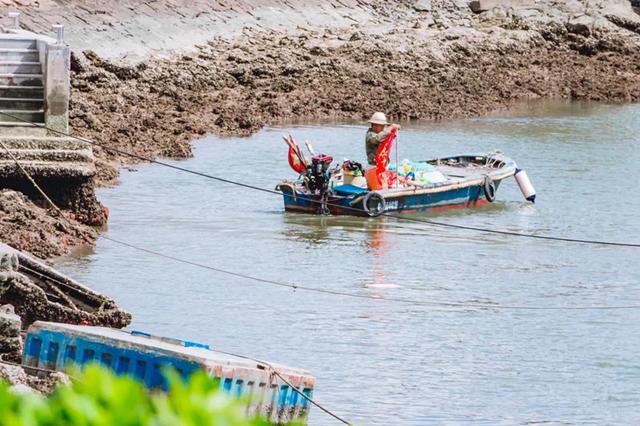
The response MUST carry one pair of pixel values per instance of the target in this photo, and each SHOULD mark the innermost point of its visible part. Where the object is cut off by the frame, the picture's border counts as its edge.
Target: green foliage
(97, 397)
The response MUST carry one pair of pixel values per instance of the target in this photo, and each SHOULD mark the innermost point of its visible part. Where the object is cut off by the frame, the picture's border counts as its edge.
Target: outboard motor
(318, 175)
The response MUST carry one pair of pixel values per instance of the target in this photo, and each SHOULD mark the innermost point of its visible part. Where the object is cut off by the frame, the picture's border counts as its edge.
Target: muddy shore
(24, 225)
(413, 60)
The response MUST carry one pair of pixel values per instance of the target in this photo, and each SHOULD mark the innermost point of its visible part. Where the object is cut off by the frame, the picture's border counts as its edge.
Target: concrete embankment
(149, 76)
(34, 111)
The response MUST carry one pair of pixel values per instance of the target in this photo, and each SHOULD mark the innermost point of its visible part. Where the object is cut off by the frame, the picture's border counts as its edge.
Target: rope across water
(295, 286)
(385, 214)
(68, 221)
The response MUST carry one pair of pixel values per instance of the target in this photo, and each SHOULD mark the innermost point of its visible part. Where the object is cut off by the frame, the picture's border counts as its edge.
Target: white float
(525, 185)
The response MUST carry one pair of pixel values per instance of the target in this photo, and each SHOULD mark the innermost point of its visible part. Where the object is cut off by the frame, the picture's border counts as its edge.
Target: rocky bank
(150, 76)
(37, 229)
(32, 291)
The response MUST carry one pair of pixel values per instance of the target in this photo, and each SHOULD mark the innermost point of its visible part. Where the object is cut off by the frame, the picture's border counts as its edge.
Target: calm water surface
(381, 362)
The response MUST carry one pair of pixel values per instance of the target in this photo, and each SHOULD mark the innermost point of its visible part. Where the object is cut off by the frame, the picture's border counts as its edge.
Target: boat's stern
(296, 200)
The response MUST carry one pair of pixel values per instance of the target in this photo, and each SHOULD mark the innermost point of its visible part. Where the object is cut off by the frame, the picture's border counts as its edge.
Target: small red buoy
(105, 211)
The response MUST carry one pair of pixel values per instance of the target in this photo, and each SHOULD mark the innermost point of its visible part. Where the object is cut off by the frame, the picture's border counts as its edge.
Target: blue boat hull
(470, 196)
(465, 181)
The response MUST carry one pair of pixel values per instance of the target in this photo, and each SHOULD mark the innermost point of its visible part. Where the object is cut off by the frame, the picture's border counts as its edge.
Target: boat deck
(464, 173)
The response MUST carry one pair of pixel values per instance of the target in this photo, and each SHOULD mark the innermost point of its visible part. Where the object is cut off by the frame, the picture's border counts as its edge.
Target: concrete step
(21, 79)
(36, 116)
(65, 169)
(57, 155)
(14, 67)
(27, 104)
(50, 142)
(16, 43)
(13, 130)
(31, 92)
(21, 55)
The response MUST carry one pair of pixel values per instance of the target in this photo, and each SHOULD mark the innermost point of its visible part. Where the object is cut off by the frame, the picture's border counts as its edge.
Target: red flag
(294, 160)
(382, 156)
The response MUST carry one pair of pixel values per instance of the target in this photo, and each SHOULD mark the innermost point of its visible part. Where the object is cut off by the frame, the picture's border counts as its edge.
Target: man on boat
(378, 131)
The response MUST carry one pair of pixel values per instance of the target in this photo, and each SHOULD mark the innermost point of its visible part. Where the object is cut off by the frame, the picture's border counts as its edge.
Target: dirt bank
(26, 226)
(236, 87)
(270, 61)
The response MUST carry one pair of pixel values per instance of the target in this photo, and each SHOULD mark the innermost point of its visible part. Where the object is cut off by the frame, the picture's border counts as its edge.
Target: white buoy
(525, 185)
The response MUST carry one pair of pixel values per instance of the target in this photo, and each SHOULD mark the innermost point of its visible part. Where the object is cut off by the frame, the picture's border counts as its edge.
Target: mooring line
(311, 289)
(423, 302)
(296, 286)
(65, 218)
(264, 364)
(349, 208)
(268, 366)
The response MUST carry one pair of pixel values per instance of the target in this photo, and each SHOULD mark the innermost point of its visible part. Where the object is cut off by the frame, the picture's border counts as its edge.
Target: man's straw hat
(378, 118)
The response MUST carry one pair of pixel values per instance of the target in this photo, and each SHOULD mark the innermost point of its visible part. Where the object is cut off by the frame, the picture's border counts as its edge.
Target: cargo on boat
(432, 185)
(57, 346)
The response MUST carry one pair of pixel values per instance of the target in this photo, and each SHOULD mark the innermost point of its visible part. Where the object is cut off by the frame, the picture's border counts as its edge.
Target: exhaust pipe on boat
(525, 185)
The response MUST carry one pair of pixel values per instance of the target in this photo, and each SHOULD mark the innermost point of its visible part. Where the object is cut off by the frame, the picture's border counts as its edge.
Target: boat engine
(318, 175)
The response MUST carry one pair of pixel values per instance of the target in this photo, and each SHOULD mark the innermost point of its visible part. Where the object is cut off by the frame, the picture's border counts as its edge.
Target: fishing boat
(431, 185)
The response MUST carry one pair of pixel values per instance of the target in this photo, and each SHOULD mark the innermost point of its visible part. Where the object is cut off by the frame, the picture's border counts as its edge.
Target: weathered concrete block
(10, 323)
(57, 87)
(21, 388)
(13, 374)
(10, 340)
(8, 262)
(78, 304)
(581, 25)
(11, 349)
(479, 6)
(422, 6)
